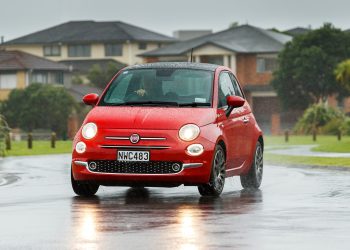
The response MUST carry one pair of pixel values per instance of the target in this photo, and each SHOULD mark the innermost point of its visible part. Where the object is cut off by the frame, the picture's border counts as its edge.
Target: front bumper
(194, 170)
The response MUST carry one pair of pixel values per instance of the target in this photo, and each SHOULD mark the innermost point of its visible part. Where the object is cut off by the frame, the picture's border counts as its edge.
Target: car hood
(149, 117)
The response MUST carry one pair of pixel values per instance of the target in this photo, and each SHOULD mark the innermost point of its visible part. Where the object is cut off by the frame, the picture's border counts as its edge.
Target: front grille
(120, 167)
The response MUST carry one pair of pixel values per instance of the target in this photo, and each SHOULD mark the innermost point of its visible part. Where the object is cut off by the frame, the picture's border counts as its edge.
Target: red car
(168, 124)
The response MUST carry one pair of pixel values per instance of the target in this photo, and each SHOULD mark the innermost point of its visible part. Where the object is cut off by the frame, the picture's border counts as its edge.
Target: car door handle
(245, 120)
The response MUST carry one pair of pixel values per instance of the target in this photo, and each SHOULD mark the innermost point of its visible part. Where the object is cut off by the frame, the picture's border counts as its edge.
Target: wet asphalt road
(295, 209)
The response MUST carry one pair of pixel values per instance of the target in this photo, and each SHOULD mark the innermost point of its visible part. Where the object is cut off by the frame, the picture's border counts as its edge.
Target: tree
(320, 116)
(39, 107)
(234, 24)
(305, 75)
(342, 74)
(99, 77)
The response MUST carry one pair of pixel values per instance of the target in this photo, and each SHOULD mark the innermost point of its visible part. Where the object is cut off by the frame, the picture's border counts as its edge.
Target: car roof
(175, 65)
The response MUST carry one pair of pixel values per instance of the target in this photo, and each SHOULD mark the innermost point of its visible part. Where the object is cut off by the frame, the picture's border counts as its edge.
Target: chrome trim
(192, 165)
(153, 138)
(135, 147)
(184, 166)
(141, 138)
(117, 138)
(81, 163)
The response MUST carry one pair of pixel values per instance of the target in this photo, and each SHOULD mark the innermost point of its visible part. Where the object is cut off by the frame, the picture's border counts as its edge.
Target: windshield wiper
(147, 103)
(195, 104)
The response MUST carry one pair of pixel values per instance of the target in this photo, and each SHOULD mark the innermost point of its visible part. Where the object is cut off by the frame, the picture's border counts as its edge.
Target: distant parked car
(168, 124)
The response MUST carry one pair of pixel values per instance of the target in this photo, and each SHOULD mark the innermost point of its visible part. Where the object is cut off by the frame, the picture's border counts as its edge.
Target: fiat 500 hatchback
(168, 124)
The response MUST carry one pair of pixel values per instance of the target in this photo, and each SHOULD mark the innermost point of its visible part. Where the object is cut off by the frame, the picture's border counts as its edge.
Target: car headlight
(89, 130)
(189, 132)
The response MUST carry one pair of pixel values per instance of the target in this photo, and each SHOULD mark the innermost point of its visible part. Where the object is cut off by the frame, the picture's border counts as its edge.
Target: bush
(321, 119)
(335, 126)
(39, 107)
(4, 131)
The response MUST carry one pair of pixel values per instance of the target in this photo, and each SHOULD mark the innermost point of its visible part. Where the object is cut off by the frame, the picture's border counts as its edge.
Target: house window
(79, 50)
(52, 50)
(142, 46)
(219, 60)
(114, 49)
(8, 81)
(58, 77)
(39, 77)
(266, 64)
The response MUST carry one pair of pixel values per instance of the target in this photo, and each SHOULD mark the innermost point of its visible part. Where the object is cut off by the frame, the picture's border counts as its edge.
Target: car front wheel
(83, 189)
(217, 176)
(254, 177)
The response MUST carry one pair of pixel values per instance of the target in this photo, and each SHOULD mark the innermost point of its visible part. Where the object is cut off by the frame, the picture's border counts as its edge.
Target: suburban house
(80, 44)
(19, 69)
(251, 53)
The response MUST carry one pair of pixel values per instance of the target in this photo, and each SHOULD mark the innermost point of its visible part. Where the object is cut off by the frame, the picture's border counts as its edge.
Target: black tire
(217, 177)
(83, 189)
(254, 177)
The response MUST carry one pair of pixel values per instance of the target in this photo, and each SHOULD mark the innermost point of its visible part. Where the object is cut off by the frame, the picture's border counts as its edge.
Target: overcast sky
(21, 17)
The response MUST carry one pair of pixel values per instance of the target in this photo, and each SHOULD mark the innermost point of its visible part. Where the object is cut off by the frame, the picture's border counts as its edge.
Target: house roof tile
(91, 31)
(18, 60)
(241, 39)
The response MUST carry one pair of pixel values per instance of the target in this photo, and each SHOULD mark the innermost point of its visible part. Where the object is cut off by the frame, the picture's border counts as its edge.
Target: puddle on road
(8, 179)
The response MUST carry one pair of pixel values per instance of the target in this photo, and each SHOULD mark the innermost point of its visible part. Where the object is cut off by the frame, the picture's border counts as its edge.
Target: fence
(30, 137)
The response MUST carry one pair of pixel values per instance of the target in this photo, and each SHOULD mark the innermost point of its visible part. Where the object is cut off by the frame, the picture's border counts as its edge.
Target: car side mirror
(233, 102)
(91, 99)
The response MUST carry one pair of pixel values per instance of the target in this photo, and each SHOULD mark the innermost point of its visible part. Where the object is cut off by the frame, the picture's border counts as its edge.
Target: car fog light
(80, 147)
(92, 166)
(176, 167)
(195, 149)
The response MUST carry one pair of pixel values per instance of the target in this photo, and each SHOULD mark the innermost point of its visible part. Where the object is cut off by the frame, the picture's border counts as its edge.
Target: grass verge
(39, 148)
(323, 144)
(306, 160)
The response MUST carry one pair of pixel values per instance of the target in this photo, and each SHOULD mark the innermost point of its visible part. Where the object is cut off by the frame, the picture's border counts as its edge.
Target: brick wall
(246, 71)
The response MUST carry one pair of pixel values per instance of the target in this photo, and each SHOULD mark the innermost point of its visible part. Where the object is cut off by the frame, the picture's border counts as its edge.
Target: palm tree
(342, 73)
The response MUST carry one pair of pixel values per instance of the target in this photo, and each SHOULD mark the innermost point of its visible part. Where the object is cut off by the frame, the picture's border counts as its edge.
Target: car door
(247, 118)
(233, 127)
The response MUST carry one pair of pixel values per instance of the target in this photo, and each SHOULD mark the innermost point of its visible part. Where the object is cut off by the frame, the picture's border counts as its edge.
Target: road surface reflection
(184, 220)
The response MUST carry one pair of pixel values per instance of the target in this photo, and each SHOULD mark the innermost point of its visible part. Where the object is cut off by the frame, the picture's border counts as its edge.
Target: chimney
(2, 39)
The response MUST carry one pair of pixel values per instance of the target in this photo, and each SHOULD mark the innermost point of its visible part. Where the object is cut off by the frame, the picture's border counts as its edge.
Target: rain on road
(294, 209)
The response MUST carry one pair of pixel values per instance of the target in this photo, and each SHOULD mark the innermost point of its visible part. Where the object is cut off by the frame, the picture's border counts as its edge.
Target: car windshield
(160, 87)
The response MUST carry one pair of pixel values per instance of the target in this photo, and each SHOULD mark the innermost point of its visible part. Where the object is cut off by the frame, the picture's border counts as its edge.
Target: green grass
(306, 160)
(39, 148)
(323, 144)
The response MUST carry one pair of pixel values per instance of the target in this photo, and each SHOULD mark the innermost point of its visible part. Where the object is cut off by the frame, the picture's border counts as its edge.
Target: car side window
(236, 86)
(225, 89)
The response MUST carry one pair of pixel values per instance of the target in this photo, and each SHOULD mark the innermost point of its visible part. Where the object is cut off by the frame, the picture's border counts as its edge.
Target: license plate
(133, 156)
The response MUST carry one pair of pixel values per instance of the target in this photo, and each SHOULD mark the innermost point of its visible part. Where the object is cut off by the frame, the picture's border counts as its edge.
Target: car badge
(134, 138)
